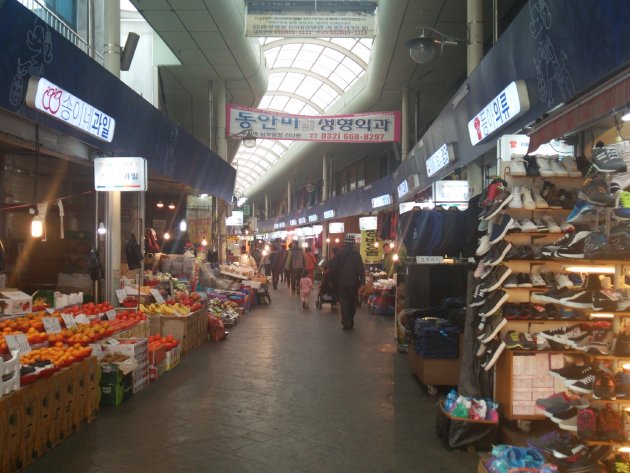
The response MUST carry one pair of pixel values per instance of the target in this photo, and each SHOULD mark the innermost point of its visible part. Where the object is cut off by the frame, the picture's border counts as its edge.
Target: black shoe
(575, 247)
(531, 166)
(548, 251)
(595, 191)
(500, 228)
(492, 354)
(596, 246)
(497, 277)
(491, 328)
(620, 245)
(493, 303)
(580, 299)
(605, 300)
(608, 160)
(497, 253)
(569, 372)
(554, 295)
(604, 387)
(479, 296)
(502, 198)
(524, 280)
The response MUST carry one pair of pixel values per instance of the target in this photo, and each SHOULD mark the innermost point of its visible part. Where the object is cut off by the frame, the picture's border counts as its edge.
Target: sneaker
(571, 378)
(528, 226)
(604, 387)
(599, 343)
(479, 296)
(587, 424)
(571, 166)
(492, 191)
(517, 167)
(569, 413)
(570, 371)
(502, 198)
(610, 423)
(596, 192)
(562, 280)
(620, 245)
(517, 201)
(531, 166)
(622, 387)
(553, 313)
(581, 299)
(528, 201)
(500, 228)
(582, 212)
(511, 281)
(566, 227)
(540, 225)
(511, 311)
(551, 223)
(512, 340)
(605, 299)
(573, 248)
(596, 246)
(576, 279)
(497, 277)
(551, 440)
(548, 251)
(544, 167)
(484, 245)
(555, 400)
(538, 199)
(493, 352)
(563, 335)
(497, 253)
(537, 280)
(524, 280)
(555, 295)
(562, 199)
(584, 386)
(482, 271)
(557, 168)
(549, 278)
(493, 303)
(623, 210)
(607, 160)
(622, 347)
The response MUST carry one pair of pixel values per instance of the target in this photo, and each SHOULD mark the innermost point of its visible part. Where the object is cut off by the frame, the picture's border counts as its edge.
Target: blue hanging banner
(33, 49)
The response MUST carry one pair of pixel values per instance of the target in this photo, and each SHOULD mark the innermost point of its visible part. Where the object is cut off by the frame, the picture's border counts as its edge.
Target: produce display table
(39, 416)
(190, 330)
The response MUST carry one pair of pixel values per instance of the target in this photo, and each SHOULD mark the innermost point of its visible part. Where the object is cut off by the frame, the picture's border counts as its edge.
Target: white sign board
(18, 342)
(429, 259)
(512, 145)
(235, 220)
(301, 220)
(46, 97)
(367, 223)
(120, 174)
(51, 324)
(372, 127)
(510, 103)
(311, 26)
(312, 218)
(440, 159)
(157, 296)
(329, 214)
(68, 319)
(403, 189)
(336, 227)
(293, 222)
(381, 201)
(451, 191)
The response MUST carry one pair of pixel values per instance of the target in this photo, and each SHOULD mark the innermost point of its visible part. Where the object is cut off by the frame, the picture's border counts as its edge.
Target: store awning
(601, 102)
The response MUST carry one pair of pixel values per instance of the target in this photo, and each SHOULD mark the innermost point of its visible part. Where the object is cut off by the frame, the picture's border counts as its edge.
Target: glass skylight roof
(306, 77)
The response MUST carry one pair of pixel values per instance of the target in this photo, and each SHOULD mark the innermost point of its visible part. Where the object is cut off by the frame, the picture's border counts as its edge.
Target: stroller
(327, 292)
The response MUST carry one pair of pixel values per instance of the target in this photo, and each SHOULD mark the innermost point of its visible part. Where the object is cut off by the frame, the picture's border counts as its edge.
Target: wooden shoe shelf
(519, 377)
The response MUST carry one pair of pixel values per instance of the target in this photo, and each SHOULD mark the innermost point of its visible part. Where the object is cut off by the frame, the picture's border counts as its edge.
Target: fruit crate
(173, 357)
(189, 330)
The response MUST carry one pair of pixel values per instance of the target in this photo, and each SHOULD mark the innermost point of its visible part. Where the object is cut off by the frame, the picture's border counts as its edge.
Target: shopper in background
(310, 261)
(246, 260)
(266, 262)
(295, 265)
(278, 258)
(388, 259)
(257, 255)
(306, 286)
(348, 274)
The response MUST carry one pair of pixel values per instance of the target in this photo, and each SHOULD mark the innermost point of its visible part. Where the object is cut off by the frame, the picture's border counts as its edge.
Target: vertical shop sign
(370, 252)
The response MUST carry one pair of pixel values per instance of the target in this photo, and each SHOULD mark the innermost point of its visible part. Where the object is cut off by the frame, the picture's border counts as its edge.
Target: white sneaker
(484, 245)
(517, 166)
(562, 280)
(528, 226)
(528, 201)
(538, 199)
(551, 224)
(558, 169)
(516, 202)
(542, 228)
(537, 280)
(543, 166)
(570, 165)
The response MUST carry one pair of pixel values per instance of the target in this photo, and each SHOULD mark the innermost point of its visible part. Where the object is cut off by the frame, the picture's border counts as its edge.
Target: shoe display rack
(551, 293)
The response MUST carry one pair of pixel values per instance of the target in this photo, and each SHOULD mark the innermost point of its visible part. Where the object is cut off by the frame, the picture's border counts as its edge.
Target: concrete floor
(288, 391)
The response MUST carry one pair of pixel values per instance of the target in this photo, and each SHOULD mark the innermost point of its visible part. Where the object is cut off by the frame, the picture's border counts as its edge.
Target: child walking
(306, 285)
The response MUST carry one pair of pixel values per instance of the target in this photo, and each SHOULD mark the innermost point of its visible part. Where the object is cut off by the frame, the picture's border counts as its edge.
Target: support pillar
(325, 194)
(475, 33)
(218, 96)
(405, 124)
(266, 206)
(289, 199)
(112, 257)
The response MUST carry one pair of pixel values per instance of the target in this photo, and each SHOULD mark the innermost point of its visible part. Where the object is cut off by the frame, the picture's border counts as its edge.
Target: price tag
(18, 342)
(97, 350)
(113, 341)
(158, 297)
(82, 319)
(121, 294)
(131, 291)
(51, 324)
(111, 314)
(68, 319)
(429, 259)
(50, 311)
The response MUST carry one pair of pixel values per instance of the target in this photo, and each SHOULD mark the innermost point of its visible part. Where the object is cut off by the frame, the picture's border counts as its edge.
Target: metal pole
(218, 91)
(289, 196)
(405, 124)
(475, 33)
(495, 21)
(91, 32)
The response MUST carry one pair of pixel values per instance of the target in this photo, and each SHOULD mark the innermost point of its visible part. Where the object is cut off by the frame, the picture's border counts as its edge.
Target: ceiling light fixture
(422, 48)
(167, 236)
(101, 230)
(160, 204)
(37, 226)
(182, 225)
(171, 206)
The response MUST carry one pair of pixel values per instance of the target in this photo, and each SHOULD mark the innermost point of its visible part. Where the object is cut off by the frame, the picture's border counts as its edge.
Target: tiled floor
(288, 391)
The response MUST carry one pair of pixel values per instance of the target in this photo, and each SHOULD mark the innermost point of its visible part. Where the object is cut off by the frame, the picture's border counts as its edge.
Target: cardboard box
(157, 355)
(30, 424)
(155, 371)
(14, 418)
(173, 357)
(13, 302)
(111, 394)
(110, 374)
(3, 438)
